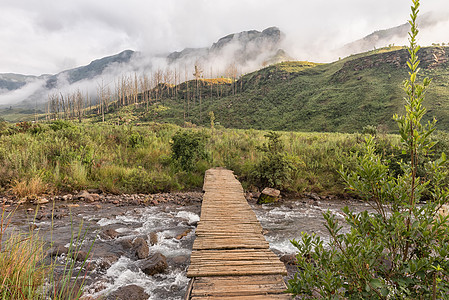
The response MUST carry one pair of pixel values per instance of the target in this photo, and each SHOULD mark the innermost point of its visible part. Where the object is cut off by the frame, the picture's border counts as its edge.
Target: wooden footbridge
(231, 259)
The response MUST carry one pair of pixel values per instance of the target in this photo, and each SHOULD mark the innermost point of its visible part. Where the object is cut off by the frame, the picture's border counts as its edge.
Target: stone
(95, 197)
(289, 259)
(107, 261)
(313, 196)
(68, 290)
(155, 264)
(129, 292)
(444, 210)
(269, 195)
(68, 197)
(41, 201)
(85, 195)
(57, 250)
(185, 233)
(179, 260)
(81, 256)
(95, 191)
(126, 243)
(140, 246)
(153, 238)
(109, 234)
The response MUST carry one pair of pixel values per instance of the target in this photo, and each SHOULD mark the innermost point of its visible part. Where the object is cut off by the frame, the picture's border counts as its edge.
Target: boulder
(57, 250)
(153, 238)
(109, 234)
(155, 264)
(269, 195)
(140, 248)
(129, 292)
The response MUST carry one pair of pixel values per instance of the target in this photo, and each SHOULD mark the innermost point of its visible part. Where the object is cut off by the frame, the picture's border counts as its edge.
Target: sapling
(400, 251)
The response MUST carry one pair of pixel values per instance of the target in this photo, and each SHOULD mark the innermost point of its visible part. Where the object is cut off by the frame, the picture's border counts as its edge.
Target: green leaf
(384, 292)
(376, 283)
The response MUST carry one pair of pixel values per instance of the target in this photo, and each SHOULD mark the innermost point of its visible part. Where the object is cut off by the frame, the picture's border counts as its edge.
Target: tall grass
(25, 272)
(137, 159)
(21, 273)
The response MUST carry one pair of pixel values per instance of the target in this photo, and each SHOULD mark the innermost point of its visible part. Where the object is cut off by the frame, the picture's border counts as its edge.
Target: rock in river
(155, 264)
(129, 292)
(140, 246)
(268, 195)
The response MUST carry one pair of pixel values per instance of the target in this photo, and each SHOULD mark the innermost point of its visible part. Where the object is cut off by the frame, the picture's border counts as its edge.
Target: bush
(60, 124)
(188, 147)
(276, 167)
(401, 251)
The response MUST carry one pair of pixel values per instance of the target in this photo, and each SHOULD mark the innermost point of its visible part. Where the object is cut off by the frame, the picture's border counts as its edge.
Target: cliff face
(240, 48)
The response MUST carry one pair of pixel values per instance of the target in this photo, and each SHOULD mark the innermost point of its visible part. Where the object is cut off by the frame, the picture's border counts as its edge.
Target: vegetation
(276, 167)
(26, 272)
(344, 96)
(64, 156)
(188, 148)
(401, 251)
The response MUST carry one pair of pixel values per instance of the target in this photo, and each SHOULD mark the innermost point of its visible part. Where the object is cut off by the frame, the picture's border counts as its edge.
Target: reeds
(25, 273)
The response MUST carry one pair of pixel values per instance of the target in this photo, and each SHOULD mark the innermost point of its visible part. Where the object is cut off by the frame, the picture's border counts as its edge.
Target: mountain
(248, 50)
(10, 81)
(343, 96)
(95, 68)
(396, 35)
(238, 48)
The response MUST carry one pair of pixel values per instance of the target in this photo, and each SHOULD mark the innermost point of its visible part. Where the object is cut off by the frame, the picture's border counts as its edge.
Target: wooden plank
(231, 258)
(245, 297)
(232, 280)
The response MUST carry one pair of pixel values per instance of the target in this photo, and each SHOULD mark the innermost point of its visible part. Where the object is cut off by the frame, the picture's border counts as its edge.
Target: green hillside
(343, 96)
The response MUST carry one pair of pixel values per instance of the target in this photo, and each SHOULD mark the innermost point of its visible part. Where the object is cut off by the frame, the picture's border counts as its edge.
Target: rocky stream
(142, 243)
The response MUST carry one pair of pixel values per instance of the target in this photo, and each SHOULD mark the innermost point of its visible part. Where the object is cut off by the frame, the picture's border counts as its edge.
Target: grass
(21, 272)
(137, 159)
(66, 157)
(343, 96)
(25, 272)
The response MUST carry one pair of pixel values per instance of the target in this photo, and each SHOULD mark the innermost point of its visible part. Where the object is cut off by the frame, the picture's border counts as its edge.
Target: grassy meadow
(64, 156)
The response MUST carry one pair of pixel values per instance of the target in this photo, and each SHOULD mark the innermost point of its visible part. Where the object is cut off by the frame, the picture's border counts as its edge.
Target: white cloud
(48, 36)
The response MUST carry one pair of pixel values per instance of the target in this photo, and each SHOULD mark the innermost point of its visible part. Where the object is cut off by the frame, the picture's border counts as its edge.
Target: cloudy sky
(48, 36)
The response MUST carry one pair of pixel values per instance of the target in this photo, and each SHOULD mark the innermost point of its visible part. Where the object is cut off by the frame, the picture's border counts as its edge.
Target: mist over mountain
(245, 51)
(396, 35)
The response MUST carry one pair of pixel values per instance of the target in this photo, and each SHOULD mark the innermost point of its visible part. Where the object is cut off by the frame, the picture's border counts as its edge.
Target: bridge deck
(231, 259)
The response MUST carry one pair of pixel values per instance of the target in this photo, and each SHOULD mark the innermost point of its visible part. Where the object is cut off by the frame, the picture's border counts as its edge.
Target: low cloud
(47, 37)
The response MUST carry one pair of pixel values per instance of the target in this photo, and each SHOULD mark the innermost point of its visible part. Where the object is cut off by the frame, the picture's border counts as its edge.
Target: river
(168, 227)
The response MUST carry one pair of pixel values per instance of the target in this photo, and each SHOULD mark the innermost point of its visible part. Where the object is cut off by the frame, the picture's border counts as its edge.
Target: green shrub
(60, 124)
(188, 147)
(276, 167)
(369, 129)
(401, 251)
